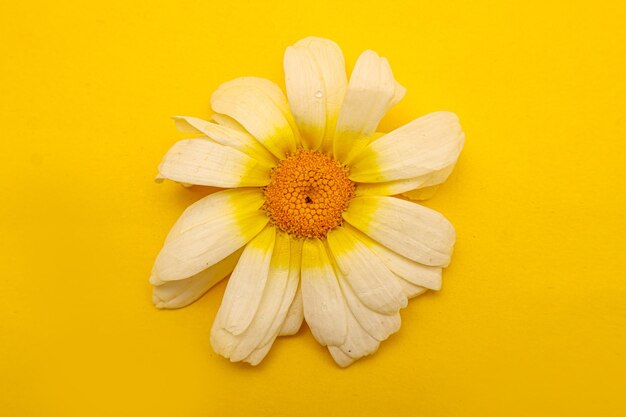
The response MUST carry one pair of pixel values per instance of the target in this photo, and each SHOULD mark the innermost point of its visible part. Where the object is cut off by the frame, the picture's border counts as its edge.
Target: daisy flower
(313, 223)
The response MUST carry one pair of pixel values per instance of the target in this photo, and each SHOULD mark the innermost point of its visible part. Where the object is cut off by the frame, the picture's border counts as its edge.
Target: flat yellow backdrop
(532, 317)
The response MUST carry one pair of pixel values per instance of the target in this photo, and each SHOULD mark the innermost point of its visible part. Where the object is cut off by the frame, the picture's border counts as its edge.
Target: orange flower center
(307, 194)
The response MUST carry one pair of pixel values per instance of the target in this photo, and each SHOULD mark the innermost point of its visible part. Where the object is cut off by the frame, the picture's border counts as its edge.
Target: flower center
(307, 194)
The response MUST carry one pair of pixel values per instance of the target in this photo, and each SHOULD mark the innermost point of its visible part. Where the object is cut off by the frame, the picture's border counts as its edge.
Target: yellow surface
(532, 317)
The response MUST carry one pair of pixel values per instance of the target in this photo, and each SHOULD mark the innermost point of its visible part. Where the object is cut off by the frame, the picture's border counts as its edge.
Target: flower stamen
(307, 194)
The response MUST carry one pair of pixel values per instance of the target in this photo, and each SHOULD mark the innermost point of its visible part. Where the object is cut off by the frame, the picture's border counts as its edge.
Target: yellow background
(532, 317)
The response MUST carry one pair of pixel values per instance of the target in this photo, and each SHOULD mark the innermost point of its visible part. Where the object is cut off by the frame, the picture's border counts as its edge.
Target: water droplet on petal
(319, 94)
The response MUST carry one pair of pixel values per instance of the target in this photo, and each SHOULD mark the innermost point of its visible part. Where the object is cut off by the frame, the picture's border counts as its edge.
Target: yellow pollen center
(307, 194)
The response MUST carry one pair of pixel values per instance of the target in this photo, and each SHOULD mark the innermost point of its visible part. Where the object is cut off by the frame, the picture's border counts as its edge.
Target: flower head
(313, 224)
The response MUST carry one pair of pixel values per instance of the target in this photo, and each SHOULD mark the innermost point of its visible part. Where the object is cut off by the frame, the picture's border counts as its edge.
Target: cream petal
(389, 187)
(208, 231)
(254, 343)
(398, 94)
(416, 189)
(324, 305)
(295, 316)
(258, 355)
(295, 263)
(204, 162)
(409, 229)
(316, 81)
(177, 294)
(365, 328)
(411, 290)
(370, 93)
(414, 272)
(371, 280)
(222, 341)
(305, 89)
(291, 291)
(270, 303)
(227, 121)
(421, 194)
(419, 154)
(261, 108)
(213, 206)
(226, 136)
(279, 292)
(247, 284)
(358, 342)
(339, 357)
(377, 325)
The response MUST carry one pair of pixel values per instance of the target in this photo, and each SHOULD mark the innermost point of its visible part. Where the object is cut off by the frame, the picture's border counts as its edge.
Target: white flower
(308, 227)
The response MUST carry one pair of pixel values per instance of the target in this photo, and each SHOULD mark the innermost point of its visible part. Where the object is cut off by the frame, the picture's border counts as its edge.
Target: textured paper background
(532, 317)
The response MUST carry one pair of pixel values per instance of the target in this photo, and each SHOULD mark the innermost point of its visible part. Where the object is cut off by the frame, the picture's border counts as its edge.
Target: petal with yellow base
(315, 77)
(409, 229)
(261, 108)
(208, 231)
(324, 305)
(202, 161)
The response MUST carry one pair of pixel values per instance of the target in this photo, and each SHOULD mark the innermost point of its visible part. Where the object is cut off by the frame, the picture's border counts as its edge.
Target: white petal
(377, 325)
(366, 328)
(423, 152)
(324, 305)
(209, 231)
(222, 341)
(421, 194)
(176, 294)
(316, 81)
(358, 342)
(412, 230)
(227, 121)
(204, 162)
(411, 187)
(295, 316)
(339, 357)
(258, 355)
(370, 93)
(226, 136)
(389, 187)
(247, 283)
(371, 280)
(278, 294)
(398, 94)
(261, 107)
(295, 262)
(411, 290)
(414, 272)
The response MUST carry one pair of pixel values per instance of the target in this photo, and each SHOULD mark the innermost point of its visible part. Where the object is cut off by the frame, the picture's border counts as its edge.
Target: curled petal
(371, 92)
(180, 293)
(227, 136)
(280, 288)
(261, 108)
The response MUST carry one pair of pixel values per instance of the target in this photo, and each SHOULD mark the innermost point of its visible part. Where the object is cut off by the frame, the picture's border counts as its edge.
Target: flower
(311, 224)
